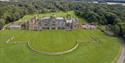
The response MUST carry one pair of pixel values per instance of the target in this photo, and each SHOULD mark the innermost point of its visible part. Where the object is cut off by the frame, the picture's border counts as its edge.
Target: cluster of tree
(111, 15)
(12, 11)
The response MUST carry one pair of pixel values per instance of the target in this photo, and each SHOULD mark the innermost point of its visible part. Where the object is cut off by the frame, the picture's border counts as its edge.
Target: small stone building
(88, 26)
(14, 26)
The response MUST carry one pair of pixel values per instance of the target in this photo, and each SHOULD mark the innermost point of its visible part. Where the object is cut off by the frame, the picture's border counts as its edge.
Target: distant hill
(4, 0)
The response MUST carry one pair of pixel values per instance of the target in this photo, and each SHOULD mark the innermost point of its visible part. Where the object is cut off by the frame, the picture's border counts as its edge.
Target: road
(122, 56)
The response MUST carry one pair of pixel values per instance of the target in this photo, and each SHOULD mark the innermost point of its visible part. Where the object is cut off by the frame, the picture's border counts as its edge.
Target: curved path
(122, 55)
(54, 53)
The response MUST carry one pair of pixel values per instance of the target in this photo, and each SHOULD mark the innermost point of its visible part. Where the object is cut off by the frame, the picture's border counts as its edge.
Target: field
(94, 46)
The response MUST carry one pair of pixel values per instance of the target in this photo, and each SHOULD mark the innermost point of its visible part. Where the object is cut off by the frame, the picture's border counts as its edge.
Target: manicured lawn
(95, 47)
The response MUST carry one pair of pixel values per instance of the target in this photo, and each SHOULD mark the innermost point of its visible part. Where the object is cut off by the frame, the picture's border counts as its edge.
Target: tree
(2, 23)
(111, 18)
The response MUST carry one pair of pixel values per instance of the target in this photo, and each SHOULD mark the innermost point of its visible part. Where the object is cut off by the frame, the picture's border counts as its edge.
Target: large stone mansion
(47, 23)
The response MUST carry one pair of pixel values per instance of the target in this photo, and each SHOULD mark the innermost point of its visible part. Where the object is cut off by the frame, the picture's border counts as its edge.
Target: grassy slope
(103, 51)
(58, 14)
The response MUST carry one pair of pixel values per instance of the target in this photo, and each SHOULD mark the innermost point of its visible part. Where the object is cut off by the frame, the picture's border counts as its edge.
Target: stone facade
(50, 23)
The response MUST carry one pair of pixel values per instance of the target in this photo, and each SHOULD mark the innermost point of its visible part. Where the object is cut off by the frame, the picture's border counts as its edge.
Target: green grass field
(95, 47)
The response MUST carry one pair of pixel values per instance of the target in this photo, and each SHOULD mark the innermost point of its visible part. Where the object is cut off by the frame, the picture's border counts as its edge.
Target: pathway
(122, 56)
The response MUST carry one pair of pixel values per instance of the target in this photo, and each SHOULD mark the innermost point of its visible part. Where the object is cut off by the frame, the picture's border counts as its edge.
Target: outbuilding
(14, 26)
(88, 26)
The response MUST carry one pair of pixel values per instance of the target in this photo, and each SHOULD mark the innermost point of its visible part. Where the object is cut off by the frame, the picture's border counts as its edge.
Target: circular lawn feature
(53, 53)
(53, 41)
(52, 46)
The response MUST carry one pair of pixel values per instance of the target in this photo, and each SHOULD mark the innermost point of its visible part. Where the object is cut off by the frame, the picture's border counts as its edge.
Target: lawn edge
(118, 55)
